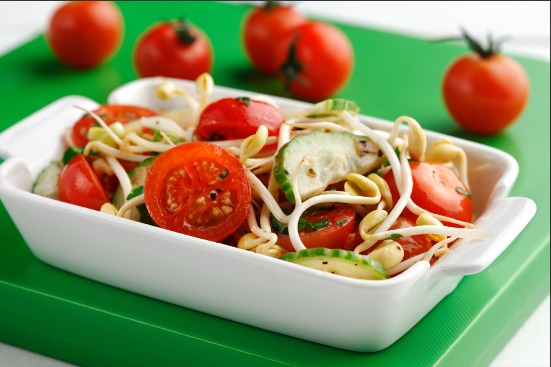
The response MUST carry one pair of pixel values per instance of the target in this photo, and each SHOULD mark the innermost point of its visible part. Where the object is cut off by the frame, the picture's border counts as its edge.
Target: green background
(84, 322)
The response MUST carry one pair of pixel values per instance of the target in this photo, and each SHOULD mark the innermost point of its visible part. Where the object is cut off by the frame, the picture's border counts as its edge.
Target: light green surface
(75, 319)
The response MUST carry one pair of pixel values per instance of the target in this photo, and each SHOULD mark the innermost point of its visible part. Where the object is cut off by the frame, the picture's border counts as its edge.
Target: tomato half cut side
(198, 189)
(337, 223)
(109, 114)
(79, 185)
(437, 189)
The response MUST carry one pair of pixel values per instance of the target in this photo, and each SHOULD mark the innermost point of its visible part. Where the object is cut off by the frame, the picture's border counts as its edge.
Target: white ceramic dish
(232, 283)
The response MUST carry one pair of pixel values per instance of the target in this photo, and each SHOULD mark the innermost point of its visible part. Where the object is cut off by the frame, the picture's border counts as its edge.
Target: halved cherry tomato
(237, 118)
(109, 114)
(437, 189)
(79, 185)
(198, 189)
(340, 220)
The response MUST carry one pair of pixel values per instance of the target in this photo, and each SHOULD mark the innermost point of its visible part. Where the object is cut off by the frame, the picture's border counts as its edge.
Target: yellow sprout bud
(254, 143)
(371, 221)
(426, 219)
(390, 253)
(359, 185)
(109, 208)
(382, 185)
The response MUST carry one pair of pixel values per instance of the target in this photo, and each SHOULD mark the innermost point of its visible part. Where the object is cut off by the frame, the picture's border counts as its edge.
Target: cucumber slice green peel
(327, 157)
(340, 262)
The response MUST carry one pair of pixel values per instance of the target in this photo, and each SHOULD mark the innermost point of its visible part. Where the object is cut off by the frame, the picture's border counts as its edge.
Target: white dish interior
(232, 283)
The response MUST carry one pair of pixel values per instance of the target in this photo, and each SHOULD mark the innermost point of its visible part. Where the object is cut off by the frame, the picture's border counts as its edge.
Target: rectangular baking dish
(232, 283)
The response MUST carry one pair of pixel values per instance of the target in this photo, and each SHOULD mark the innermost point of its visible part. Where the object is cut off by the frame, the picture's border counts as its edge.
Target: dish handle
(40, 132)
(503, 220)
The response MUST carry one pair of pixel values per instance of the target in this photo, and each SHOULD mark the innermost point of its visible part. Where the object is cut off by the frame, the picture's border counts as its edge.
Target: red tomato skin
(412, 245)
(229, 118)
(332, 236)
(262, 29)
(193, 184)
(79, 185)
(485, 95)
(159, 52)
(109, 114)
(326, 56)
(434, 189)
(84, 34)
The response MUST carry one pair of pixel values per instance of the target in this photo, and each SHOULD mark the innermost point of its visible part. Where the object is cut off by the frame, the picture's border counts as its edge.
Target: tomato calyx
(493, 47)
(291, 68)
(182, 28)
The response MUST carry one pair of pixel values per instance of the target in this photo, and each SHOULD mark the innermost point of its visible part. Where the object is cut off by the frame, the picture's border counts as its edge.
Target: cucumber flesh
(330, 156)
(340, 262)
(137, 178)
(46, 182)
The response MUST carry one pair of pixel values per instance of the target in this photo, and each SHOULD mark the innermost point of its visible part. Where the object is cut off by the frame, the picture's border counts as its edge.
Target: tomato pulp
(198, 189)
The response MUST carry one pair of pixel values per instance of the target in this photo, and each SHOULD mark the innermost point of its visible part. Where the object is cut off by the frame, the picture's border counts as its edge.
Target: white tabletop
(526, 20)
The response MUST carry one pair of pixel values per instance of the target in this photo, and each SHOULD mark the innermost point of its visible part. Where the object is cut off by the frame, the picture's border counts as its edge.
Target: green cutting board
(56, 313)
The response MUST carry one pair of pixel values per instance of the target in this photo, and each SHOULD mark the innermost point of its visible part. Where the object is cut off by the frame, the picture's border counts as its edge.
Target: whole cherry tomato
(198, 189)
(317, 60)
(84, 34)
(263, 28)
(437, 189)
(176, 49)
(485, 91)
(237, 118)
(79, 185)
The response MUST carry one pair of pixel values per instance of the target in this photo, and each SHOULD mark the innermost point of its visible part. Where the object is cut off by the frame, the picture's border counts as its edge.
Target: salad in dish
(316, 186)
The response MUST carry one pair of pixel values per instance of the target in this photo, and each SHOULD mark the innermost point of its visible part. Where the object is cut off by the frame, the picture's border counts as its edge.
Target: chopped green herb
(396, 235)
(303, 224)
(70, 153)
(158, 137)
(245, 100)
(136, 192)
(462, 191)
(342, 222)
(223, 174)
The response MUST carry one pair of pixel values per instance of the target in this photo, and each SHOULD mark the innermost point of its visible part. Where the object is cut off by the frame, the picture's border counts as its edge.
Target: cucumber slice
(46, 182)
(332, 107)
(137, 178)
(330, 157)
(340, 262)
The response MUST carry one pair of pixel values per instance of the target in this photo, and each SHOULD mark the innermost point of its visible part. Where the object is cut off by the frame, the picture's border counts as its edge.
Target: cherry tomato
(340, 221)
(79, 185)
(174, 49)
(109, 114)
(198, 189)
(263, 28)
(485, 91)
(437, 189)
(317, 60)
(412, 245)
(84, 34)
(237, 118)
